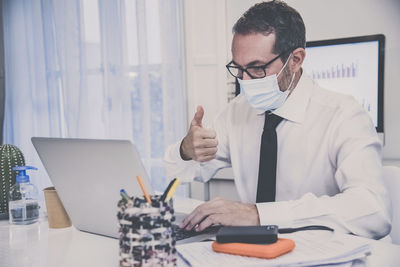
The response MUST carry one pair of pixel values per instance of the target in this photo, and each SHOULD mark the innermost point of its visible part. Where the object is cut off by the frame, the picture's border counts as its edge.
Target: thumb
(198, 117)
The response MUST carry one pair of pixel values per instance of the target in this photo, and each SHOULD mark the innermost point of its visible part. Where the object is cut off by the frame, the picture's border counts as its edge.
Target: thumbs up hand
(200, 144)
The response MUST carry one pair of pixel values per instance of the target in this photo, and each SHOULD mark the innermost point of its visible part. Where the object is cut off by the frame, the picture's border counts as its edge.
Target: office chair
(391, 177)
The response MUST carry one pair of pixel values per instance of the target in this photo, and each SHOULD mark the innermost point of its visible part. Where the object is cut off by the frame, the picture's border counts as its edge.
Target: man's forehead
(252, 47)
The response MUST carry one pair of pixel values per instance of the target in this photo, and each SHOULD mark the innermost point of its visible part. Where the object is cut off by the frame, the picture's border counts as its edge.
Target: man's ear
(297, 59)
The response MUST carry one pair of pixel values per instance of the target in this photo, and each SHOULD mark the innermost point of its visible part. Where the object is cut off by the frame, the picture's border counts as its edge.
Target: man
(301, 155)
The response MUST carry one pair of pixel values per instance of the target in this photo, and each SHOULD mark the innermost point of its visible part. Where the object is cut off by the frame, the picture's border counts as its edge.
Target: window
(95, 69)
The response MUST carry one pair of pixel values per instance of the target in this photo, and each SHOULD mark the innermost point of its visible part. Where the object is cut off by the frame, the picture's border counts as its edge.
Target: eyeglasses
(255, 72)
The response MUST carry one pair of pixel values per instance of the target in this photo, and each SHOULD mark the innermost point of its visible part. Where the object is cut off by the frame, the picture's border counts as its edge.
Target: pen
(162, 198)
(171, 192)
(124, 195)
(184, 259)
(146, 196)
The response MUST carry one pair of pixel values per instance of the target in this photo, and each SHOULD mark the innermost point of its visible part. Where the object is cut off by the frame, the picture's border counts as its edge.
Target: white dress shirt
(329, 168)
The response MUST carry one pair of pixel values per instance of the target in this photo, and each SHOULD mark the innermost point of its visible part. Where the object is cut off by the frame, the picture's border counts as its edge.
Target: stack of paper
(312, 248)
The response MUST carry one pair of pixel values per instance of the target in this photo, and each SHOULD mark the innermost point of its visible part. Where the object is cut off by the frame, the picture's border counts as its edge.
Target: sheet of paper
(312, 248)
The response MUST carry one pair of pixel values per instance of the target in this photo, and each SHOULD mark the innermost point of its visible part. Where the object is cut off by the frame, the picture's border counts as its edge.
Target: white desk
(38, 246)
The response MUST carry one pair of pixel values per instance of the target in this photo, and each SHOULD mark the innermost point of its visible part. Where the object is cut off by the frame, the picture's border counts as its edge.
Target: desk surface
(36, 245)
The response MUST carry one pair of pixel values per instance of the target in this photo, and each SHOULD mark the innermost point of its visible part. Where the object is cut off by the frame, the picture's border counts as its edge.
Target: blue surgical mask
(264, 93)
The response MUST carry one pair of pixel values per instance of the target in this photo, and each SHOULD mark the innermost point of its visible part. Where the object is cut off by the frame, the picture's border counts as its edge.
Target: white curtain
(94, 69)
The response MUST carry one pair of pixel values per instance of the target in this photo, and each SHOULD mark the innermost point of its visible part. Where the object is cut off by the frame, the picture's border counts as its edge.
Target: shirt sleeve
(191, 170)
(362, 207)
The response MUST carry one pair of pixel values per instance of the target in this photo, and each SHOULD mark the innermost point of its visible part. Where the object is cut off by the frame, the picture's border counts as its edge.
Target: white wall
(205, 55)
(327, 19)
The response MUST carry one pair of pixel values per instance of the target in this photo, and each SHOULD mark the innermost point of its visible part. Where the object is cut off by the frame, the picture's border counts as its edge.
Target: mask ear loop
(291, 82)
(284, 65)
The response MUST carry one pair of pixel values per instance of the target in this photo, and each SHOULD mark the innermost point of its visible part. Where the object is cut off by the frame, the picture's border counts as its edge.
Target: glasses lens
(256, 72)
(235, 71)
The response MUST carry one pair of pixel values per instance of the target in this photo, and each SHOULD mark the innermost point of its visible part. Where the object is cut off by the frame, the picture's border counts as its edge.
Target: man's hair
(274, 17)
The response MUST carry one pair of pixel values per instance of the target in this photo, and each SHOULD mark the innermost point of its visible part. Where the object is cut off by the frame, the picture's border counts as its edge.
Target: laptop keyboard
(183, 234)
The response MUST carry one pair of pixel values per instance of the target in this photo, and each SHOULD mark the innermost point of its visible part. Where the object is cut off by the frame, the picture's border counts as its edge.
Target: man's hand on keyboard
(221, 212)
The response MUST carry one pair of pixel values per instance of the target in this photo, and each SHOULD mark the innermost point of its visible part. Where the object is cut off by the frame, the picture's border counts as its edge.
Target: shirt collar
(294, 108)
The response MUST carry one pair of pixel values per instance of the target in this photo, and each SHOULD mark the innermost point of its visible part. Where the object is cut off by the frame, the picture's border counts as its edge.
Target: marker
(172, 190)
(162, 198)
(146, 196)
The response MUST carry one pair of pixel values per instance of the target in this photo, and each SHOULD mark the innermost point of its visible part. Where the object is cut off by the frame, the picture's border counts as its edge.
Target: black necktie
(268, 152)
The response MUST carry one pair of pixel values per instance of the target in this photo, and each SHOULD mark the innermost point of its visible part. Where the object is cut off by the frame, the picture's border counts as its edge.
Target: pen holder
(146, 237)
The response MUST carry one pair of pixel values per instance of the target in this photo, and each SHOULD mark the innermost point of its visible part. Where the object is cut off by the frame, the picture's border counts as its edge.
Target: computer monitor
(351, 66)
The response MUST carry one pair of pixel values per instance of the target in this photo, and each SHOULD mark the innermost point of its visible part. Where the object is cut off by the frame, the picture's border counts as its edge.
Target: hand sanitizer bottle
(23, 198)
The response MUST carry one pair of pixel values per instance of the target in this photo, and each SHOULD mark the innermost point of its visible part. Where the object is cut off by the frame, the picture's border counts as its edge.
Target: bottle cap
(21, 173)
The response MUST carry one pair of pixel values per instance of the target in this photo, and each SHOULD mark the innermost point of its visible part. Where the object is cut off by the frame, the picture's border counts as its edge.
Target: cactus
(10, 156)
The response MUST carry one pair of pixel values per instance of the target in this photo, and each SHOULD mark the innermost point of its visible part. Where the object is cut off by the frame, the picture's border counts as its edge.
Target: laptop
(88, 175)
